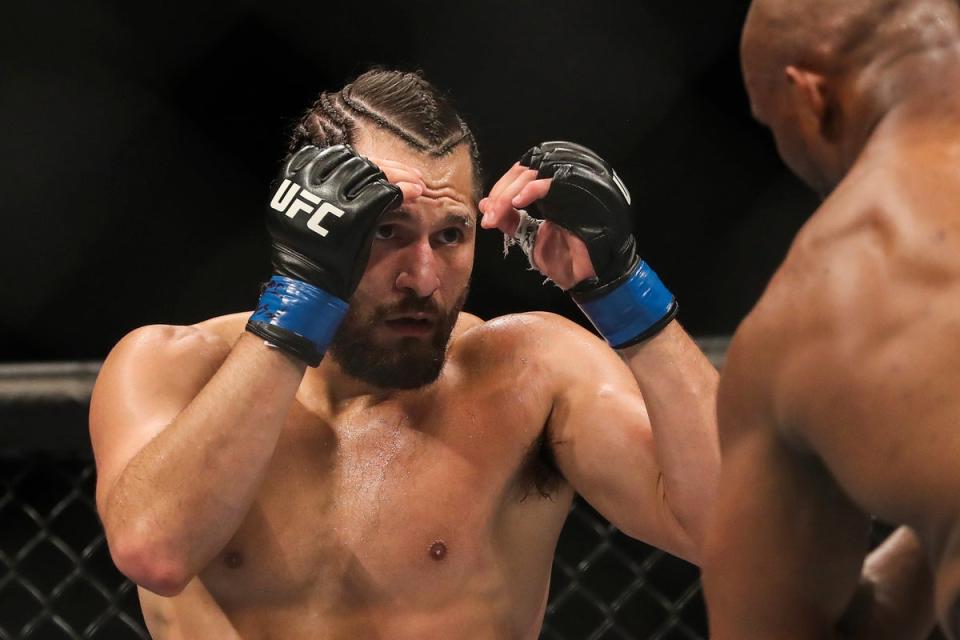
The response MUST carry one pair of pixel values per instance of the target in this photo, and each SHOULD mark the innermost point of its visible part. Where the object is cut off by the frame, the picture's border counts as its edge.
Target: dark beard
(409, 364)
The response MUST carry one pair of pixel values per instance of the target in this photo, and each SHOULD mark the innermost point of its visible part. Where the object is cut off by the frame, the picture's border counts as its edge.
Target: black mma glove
(321, 220)
(626, 301)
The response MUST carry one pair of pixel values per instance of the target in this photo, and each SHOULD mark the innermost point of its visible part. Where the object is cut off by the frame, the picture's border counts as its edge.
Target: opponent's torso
(409, 518)
(857, 341)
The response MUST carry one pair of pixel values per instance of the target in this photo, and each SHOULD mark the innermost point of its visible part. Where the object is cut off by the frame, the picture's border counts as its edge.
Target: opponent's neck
(920, 95)
(928, 120)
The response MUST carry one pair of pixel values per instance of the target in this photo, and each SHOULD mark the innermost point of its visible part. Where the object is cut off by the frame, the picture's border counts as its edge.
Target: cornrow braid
(457, 138)
(324, 124)
(403, 103)
(381, 121)
(334, 110)
(430, 107)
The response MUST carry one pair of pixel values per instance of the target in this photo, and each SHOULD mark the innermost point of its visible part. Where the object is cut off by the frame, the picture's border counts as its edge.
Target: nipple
(438, 550)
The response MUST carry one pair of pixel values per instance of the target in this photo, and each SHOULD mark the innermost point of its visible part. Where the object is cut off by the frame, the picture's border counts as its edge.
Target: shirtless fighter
(841, 392)
(359, 458)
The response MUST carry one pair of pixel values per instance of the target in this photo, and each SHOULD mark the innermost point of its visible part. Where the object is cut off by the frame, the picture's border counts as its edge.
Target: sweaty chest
(378, 506)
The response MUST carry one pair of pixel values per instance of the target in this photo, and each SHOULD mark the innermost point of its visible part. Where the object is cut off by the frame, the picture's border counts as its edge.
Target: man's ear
(812, 92)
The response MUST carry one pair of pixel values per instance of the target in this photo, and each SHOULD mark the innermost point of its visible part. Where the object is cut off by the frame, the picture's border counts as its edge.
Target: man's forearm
(182, 497)
(895, 598)
(679, 386)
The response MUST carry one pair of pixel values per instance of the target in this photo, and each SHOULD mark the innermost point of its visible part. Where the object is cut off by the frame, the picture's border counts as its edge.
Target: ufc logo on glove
(286, 201)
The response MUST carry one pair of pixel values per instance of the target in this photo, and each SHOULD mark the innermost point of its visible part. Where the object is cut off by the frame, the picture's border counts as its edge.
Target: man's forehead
(454, 168)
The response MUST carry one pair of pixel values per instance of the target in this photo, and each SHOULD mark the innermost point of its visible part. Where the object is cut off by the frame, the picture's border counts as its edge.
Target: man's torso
(412, 517)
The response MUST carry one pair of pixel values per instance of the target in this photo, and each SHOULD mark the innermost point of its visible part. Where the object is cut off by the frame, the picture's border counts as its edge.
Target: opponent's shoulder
(804, 333)
(819, 288)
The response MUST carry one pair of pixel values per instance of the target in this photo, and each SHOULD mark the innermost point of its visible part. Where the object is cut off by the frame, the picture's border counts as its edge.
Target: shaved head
(835, 37)
(822, 73)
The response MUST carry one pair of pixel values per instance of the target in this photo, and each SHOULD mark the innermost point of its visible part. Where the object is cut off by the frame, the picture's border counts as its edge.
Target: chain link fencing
(56, 577)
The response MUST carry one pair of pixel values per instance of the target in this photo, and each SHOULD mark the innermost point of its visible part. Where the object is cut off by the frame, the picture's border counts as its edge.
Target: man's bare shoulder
(229, 327)
(557, 349)
(160, 346)
(154, 365)
(528, 332)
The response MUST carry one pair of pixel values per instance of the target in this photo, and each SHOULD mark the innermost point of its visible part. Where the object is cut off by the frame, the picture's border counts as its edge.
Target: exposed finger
(398, 173)
(394, 164)
(506, 223)
(411, 190)
(562, 256)
(500, 205)
(579, 258)
(396, 176)
(507, 179)
(531, 192)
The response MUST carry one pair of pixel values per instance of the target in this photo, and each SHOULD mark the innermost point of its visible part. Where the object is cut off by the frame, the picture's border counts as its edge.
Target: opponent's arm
(183, 426)
(785, 551)
(785, 545)
(581, 238)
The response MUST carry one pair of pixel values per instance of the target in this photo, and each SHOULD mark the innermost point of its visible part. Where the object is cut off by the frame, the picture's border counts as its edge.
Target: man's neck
(329, 385)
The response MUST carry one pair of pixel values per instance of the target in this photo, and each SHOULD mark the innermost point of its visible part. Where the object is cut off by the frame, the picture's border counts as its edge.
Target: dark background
(139, 141)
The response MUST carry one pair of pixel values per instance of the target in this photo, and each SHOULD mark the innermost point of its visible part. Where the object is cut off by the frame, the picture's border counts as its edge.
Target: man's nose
(418, 273)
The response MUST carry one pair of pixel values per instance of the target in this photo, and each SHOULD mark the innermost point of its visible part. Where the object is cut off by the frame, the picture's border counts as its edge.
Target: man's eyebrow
(461, 219)
(402, 215)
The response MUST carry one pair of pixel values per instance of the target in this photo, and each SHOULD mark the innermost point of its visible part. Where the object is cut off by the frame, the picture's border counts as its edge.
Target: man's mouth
(412, 325)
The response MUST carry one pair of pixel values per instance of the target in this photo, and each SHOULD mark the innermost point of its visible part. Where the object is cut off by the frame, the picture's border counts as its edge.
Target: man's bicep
(145, 382)
(603, 445)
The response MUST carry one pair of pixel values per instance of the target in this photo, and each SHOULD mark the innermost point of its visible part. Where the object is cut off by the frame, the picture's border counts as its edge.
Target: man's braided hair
(400, 102)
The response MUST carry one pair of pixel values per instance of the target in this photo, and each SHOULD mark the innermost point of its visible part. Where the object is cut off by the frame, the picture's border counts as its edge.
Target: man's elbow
(684, 514)
(672, 537)
(149, 564)
(686, 548)
(686, 529)
(691, 537)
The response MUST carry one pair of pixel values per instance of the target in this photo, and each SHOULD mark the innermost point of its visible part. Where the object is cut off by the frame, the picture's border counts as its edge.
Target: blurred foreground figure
(841, 393)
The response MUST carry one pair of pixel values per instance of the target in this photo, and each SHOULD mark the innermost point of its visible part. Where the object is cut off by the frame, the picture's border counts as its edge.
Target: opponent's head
(822, 73)
(406, 305)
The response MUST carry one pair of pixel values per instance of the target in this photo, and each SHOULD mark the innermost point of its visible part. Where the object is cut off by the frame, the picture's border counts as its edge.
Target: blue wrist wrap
(633, 310)
(301, 309)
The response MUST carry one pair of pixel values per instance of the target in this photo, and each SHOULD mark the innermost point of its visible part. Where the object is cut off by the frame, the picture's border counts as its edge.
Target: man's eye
(451, 235)
(384, 232)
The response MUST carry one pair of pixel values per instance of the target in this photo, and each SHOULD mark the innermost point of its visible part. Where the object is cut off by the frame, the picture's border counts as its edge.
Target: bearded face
(395, 346)
(406, 305)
